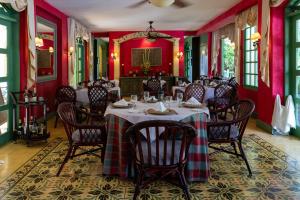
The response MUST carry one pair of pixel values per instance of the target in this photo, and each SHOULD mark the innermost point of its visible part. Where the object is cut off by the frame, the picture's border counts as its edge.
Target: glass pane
(3, 65)
(298, 114)
(298, 30)
(247, 33)
(253, 53)
(246, 79)
(3, 93)
(256, 81)
(247, 56)
(252, 68)
(298, 58)
(3, 121)
(256, 68)
(298, 86)
(3, 37)
(247, 68)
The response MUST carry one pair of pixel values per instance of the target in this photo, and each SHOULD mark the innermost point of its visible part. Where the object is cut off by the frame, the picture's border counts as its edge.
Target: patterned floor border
(24, 169)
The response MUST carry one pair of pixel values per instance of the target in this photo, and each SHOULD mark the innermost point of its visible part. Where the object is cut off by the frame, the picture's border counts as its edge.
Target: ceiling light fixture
(151, 34)
(162, 3)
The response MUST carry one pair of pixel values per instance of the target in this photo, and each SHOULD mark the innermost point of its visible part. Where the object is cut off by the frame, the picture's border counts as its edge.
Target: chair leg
(138, 185)
(234, 147)
(65, 160)
(183, 183)
(74, 151)
(56, 119)
(244, 158)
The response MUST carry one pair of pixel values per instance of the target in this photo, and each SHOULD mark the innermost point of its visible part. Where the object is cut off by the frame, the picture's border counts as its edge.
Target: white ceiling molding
(115, 15)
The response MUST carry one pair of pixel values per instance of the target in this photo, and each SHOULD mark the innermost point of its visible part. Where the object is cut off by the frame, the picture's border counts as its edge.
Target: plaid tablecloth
(116, 161)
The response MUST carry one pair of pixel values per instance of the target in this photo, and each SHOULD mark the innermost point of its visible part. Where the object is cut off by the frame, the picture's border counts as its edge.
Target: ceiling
(114, 15)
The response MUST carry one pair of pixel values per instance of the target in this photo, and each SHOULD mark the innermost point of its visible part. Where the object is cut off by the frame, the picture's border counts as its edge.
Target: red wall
(264, 96)
(46, 89)
(125, 52)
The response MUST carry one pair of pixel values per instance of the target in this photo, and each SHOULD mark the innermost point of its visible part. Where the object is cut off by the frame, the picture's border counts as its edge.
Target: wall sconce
(255, 38)
(179, 55)
(71, 50)
(113, 56)
(51, 50)
(39, 42)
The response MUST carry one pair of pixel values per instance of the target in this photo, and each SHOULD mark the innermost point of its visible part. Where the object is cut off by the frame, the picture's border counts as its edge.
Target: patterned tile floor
(276, 175)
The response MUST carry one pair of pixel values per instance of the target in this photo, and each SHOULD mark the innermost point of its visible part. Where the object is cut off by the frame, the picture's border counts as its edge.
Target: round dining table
(117, 159)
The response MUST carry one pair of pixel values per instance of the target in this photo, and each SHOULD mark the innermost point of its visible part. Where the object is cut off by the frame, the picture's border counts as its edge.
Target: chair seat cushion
(222, 132)
(88, 136)
(161, 152)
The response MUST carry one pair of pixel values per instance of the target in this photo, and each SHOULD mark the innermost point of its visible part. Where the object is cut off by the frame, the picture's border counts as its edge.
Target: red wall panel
(46, 89)
(125, 52)
(167, 55)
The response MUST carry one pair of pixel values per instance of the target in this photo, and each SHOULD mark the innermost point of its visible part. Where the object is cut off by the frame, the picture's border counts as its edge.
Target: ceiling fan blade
(181, 4)
(138, 4)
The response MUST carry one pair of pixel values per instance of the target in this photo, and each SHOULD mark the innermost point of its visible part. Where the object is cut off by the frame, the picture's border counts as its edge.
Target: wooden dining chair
(160, 149)
(153, 85)
(98, 101)
(231, 131)
(224, 94)
(80, 135)
(64, 94)
(195, 90)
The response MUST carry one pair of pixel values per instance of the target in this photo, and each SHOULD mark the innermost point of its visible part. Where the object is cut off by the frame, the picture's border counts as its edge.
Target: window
(227, 58)
(250, 59)
(80, 60)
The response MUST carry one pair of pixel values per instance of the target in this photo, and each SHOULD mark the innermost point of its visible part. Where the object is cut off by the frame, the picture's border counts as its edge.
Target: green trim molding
(11, 19)
(264, 126)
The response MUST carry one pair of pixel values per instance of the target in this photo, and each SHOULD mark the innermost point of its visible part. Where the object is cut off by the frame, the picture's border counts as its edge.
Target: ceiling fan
(162, 3)
(152, 34)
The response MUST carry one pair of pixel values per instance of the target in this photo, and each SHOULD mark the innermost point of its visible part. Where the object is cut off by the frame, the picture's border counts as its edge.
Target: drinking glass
(179, 83)
(179, 98)
(168, 101)
(146, 96)
(134, 99)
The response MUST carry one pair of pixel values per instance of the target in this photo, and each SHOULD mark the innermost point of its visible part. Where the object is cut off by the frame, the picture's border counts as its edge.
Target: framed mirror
(46, 50)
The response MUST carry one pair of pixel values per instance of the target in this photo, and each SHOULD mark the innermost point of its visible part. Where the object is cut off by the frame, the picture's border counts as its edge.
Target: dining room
(149, 99)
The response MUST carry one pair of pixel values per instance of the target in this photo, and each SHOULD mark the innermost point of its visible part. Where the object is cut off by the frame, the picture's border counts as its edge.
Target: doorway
(9, 69)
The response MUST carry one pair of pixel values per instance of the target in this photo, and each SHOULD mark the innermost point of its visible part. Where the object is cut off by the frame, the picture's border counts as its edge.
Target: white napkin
(213, 84)
(152, 98)
(159, 106)
(193, 101)
(122, 102)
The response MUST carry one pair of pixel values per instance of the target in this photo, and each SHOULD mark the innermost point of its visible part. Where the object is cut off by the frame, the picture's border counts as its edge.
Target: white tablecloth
(209, 92)
(138, 115)
(82, 94)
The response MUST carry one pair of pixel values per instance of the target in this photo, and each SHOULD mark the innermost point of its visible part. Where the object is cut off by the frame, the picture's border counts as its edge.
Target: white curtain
(228, 31)
(76, 30)
(20, 5)
(215, 51)
(247, 17)
(265, 39)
